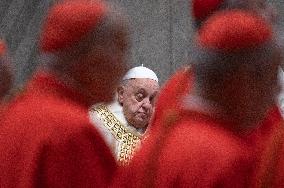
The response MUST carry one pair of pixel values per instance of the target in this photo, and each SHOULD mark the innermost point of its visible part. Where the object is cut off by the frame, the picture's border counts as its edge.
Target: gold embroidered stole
(128, 140)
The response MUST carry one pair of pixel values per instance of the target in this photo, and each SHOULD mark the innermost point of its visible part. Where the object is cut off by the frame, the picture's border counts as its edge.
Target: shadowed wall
(161, 32)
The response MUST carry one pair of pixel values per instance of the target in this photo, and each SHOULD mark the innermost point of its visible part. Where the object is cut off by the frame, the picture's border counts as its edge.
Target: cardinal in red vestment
(181, 81)
(46, 138)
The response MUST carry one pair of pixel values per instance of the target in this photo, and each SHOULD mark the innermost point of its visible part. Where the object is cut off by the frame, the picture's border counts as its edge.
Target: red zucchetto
(68, 22)
(234, 30)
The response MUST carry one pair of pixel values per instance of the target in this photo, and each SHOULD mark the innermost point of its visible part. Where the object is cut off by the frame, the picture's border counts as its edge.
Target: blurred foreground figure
(124, 121)
(201, 11)
(46, 139)
(6, 73)
(218, 137)
(204, 9)
(181, 81)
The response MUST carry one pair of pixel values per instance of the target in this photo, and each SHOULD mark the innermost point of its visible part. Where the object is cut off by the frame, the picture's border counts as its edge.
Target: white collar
(117, 111)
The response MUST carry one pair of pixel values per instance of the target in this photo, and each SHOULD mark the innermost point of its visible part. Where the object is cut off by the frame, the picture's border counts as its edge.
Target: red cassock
(46, 140)
(176, 87)
(196, 149)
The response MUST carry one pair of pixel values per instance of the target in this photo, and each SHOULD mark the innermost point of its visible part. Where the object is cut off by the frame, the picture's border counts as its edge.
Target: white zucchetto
(140, 72)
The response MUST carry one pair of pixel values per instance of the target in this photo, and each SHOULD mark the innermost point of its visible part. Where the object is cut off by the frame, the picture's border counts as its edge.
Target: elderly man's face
(137, 98)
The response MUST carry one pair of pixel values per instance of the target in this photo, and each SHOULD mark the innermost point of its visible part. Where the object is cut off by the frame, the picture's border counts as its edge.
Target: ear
(120, 92)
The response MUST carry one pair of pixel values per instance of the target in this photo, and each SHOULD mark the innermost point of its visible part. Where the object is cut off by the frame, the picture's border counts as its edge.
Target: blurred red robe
(46, 140)
(191, 148)
(176, 87)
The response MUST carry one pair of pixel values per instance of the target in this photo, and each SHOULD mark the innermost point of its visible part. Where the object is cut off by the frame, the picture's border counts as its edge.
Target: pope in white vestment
(123, 122)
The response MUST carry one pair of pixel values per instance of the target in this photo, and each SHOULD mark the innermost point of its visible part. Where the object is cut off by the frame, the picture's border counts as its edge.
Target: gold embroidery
(128, 141)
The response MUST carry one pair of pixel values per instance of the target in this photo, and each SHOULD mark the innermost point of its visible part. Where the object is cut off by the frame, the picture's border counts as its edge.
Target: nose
(147, 104)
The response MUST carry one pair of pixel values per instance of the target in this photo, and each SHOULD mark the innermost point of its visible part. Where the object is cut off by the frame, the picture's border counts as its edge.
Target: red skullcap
(68, 22)
(203, 8)
(234, 30)
(3, 48)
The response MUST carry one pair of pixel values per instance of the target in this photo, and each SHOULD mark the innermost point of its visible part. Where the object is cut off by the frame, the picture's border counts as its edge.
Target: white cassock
(122, 138)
